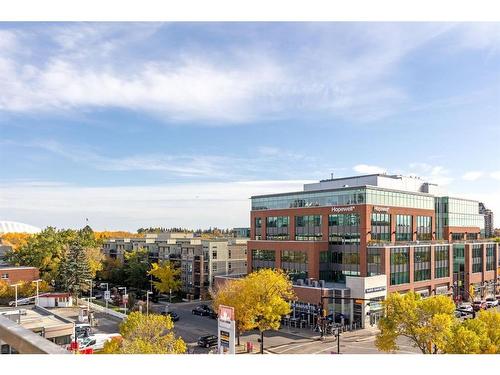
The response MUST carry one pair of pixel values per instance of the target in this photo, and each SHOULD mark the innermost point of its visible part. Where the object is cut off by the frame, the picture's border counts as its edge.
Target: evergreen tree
(74, 270)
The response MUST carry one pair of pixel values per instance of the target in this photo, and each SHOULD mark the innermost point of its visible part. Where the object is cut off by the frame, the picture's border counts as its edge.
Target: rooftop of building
(33, 317)
(6, 268)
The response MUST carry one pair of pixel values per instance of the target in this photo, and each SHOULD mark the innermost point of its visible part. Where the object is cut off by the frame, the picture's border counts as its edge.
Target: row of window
(344, 228)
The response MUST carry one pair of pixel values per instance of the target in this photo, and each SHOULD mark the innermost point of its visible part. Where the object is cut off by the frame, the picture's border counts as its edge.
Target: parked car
(491, 302)
(466, 306)
(479, 305)
(207, 341)
(172, 315)
(202, 310)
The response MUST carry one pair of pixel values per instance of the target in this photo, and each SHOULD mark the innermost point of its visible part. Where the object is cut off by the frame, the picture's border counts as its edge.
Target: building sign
(343, 209)
(376, 289)
(226, 330)
(442, 289)
(380, 209)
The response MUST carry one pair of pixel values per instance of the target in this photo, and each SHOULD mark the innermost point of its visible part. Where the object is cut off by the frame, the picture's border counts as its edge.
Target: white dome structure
(15, 227)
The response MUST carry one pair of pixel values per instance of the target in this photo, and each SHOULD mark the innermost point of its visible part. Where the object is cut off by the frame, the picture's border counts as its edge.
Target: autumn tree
(16, 240)
(168, 277)
(233, 293)
(112, 271)
(95, 259)
(475, 336)
(146, 334)
(425, 322)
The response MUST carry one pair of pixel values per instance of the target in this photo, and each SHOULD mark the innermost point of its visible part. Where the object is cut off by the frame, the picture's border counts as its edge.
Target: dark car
(202, 310)
(172, 315)
(207, 341)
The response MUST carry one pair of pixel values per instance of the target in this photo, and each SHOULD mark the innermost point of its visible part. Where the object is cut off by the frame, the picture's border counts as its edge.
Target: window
(277, 228)
(5, 276)
(400, 265)
(403, 228)
(263, 259)
(345, 261)
(214, 267)
(422, 263)
(258, 228)
(477, 258)
(424, 228)
(441, 262)
(490, 257)
(214, 254)
(308, 228)
(374, 261)
(343, 228)
(381, 227)
(295, 263)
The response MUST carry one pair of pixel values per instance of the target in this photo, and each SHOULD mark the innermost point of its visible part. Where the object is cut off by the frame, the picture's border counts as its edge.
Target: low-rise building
(13, 275)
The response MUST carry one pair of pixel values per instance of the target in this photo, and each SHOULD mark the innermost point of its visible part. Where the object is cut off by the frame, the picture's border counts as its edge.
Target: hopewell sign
(226, 330)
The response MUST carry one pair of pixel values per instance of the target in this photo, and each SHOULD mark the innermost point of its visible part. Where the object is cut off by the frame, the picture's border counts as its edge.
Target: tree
(233, 293)
(167, 275)
(16, 240)
(426, 322)
(146, 334)
(74, 270)
(112, 271)
(136, 268)
(95, 258)
(475, 336)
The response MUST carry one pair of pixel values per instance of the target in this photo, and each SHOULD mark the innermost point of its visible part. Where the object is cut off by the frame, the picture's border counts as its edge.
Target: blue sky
(178, 124)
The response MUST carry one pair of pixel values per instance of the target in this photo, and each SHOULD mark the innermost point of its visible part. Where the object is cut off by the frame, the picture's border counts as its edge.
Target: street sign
(226, 330)
(125, 299)
(107, 295)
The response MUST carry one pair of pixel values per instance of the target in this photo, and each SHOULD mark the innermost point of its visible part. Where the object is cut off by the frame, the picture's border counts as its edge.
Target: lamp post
(125, 294)
(106, 299)
(147, 302)
(15, 286)
(90, 297)
(37, 290)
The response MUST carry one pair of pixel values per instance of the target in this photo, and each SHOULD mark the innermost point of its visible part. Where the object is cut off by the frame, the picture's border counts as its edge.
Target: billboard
(226, 330)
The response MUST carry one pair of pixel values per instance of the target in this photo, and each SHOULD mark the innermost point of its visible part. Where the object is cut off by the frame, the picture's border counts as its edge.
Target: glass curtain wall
(441, 261)
(403, 228)
(381, 227)
(277, 228)
(295, 263)
(400, 265)
(308, 228)
(424, 228)
(422, 263)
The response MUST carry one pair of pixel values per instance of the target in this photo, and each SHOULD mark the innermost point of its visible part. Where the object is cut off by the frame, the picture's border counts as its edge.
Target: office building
(489, 229)
(364, 236)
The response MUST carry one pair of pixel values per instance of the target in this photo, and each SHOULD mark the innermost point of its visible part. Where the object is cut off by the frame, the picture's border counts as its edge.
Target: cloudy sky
(178, 124)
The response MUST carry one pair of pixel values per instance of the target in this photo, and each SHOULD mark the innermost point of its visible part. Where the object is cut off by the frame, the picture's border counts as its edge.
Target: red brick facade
(17, 274)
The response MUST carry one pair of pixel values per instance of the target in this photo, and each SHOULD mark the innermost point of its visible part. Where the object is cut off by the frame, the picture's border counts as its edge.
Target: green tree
(136, 268)
(146, 334)
(74, 270)
(427, 323)
(168, 276)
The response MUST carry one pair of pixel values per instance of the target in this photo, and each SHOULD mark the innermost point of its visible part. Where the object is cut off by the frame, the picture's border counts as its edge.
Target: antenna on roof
(331, 176)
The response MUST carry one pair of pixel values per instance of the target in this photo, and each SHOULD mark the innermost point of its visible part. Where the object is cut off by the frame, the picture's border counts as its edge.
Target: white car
(96, 341)
(491, 302)
(466, 307)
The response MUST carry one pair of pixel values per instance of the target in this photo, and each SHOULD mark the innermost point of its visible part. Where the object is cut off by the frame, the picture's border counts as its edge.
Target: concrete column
(291, 227)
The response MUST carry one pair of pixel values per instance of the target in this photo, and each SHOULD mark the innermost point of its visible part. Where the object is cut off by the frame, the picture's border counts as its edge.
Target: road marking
(297, 346)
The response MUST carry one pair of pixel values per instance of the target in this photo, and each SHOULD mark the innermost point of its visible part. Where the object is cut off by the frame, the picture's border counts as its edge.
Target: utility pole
(147, 302)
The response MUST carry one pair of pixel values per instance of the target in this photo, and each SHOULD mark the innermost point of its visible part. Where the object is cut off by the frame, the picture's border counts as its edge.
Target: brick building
(13, 275)
(364, 236)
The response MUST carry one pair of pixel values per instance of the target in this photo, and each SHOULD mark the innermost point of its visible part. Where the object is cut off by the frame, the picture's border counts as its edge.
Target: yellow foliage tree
(25, 289)
(427, 323)
(15, 240)
(233, 293)
(167, 275)
(475, 336)
(95, 258)
(146, 334)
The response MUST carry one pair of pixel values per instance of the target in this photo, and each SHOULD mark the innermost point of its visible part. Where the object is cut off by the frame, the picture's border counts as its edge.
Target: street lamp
(106, 295)
(15, 286)
(124, 294)
(37, 294)
(90, 297)
(147, 302)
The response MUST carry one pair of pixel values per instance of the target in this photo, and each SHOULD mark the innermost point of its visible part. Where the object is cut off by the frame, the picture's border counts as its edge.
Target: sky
(178, 124)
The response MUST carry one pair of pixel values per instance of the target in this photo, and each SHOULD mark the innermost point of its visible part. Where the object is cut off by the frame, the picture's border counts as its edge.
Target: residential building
(364, 236)
(489, 229)
(200, 260)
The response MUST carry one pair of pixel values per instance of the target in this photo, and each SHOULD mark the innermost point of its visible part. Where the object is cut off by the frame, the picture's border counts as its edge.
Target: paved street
(106, 323)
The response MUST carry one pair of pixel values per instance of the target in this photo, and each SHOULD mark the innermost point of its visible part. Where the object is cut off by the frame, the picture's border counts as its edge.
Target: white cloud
(432, 173)
(495, 175)
(130, 207)
(472, 175)
(368, 169)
